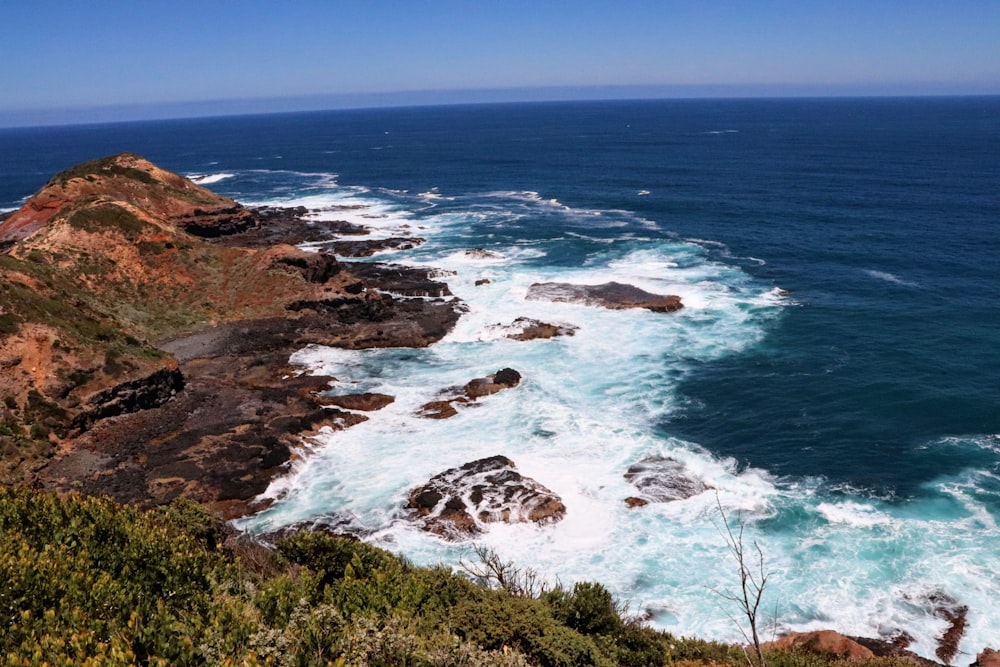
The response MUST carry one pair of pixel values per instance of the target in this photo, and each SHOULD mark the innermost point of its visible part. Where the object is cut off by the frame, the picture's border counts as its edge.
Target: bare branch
(492, 571)
(752, 584)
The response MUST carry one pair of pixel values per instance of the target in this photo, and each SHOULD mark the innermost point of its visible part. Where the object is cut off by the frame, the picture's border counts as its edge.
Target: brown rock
(504, 378)
(988, 658)
(822, 641)
(525, 328)
(438, 410)
(365, 402)
(634, 502)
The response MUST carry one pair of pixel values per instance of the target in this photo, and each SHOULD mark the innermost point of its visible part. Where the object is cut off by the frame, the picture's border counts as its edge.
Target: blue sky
(143, 58)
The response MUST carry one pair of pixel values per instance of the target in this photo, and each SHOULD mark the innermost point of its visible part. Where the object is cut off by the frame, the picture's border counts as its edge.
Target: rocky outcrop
(504, 378)
(219, 441)
(401, 280)
(216, 221)
(955, 614)
(314, 267)
(479, 387)
(825, 642)
(365, 402)
(987, 658)
(133, 180)
(143, 361)
(458, 503)
(140, 394)
(616, 296)
(661, 480)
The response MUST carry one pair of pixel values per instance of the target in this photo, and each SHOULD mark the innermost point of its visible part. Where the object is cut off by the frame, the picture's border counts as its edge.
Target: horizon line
(252, 106)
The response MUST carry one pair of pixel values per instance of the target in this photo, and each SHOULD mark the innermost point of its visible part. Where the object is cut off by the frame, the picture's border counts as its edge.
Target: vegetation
(105, 166)
(90, 582)
(107, 215)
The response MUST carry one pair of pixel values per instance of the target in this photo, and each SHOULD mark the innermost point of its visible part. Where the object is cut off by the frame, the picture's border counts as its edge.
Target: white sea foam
(590, 405)
(208, 179)
(890, 278)
(852, 513)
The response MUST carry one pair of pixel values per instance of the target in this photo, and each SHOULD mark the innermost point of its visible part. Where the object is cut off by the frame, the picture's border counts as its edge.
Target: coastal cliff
(145, 327)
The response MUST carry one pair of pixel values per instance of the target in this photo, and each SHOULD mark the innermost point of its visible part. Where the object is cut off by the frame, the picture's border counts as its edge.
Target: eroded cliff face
(118, 280)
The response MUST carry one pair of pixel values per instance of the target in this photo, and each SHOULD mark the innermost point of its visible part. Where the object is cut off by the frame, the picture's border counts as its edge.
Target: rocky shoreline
(215, 411)
(242, 410)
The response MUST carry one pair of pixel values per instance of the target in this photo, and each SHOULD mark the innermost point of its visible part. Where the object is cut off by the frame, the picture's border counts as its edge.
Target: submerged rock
(525, 328)
(480, 253)
(616, 296)
(458, 502)
(661, 480)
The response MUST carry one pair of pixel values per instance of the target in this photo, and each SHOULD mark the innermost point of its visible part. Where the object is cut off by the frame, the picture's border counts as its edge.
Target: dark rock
(368, 247)
(507, 377)
(457, 503)
(314, 267)
(139, 394)
(483, 281)
(480, 253)
(634, 502)
(216, 221)
(663, 480)
(616, 296)
(288, 225)
(400, 280)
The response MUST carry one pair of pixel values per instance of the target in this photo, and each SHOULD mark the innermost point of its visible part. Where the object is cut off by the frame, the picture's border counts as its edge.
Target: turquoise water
(834, 376)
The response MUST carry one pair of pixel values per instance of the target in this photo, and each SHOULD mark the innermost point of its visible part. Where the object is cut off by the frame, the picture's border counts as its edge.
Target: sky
(83, 61)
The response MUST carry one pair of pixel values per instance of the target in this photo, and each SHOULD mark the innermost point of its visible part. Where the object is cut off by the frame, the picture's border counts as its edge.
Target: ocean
(833, 380)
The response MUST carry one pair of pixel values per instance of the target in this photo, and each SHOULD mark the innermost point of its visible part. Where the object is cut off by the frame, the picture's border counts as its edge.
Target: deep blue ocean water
(836, 374)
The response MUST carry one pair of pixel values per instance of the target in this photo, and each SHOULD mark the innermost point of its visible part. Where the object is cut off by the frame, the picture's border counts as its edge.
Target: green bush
(84, 581)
